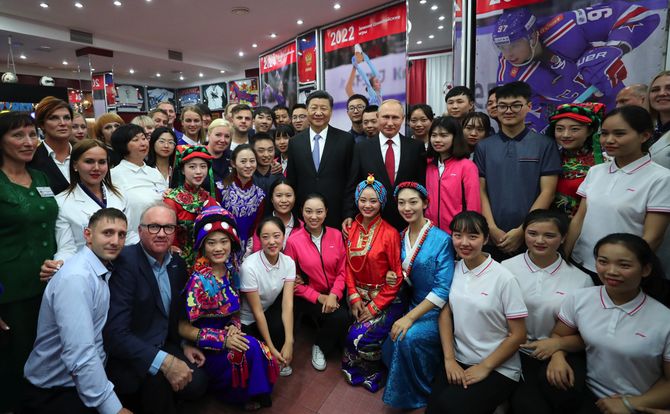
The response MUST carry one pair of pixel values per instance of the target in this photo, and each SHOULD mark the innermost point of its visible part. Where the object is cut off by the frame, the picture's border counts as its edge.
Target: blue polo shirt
(512, 168)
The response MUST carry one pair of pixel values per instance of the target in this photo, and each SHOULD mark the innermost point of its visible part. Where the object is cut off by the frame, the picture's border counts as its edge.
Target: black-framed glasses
(515, 107)
(156, 228)
(356, 108)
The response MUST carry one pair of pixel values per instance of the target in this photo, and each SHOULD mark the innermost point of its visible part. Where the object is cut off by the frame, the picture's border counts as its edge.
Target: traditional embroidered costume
(245, 203)
(371, 252)
(212, 305)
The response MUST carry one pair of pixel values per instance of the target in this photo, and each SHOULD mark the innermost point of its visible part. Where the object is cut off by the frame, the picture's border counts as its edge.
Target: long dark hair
(637, 118)
(653, 285)
(558, 218)
(78, 151)
(151, 157)
(459, 147)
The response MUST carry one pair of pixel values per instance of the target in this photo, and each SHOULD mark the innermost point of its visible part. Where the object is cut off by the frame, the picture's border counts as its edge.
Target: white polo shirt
(544, 289)
(481, 301)
(258, 275)
(618, 200)
(625, 345)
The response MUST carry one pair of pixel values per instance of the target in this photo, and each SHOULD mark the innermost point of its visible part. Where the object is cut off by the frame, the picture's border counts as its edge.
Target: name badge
(45, 192)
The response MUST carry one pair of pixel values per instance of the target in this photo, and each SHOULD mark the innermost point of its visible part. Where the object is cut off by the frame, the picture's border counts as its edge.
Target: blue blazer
(138, 325)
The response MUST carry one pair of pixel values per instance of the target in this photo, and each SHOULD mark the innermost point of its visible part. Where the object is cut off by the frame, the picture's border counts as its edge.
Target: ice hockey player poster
(215, 96)
(279, 74)
(243, 91)
(365, 56)
(568, 51)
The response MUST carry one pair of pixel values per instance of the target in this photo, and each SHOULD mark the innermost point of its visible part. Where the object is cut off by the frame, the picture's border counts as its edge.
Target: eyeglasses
(358, 108)
(164, 142)
(300, 117)
(515, 107)
(156, 228)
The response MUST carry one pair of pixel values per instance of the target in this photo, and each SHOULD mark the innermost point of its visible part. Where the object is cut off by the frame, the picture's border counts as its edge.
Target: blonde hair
(652, 111)
(192, 108)
(219, 122)
(143, 121)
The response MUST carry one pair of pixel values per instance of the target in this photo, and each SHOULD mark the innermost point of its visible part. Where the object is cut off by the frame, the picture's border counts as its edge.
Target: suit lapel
(307, 152)
(404, 158)
(150, 278)
(328, 147)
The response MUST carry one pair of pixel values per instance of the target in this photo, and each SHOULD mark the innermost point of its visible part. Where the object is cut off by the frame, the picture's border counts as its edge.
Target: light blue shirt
(163, 280)
(68, 351)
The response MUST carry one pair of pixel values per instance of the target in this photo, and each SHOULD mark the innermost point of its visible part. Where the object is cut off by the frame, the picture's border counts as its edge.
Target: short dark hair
(371, 108)
(358, 96)
(459, 147)
(559, 218)
(316, 195)
(204, 109)
(13, 120)
(426, 109)
(469, 222)
(460, 90)
(298, 106)
(241, 107)
(151, 157)
(493, 90)
(284, 130)
(263, 110)
(513, 90)
(279, 108)
(261, 136)
(319, 94)
(270, 219)
(483, 118)
(122, 136)
(106, 213)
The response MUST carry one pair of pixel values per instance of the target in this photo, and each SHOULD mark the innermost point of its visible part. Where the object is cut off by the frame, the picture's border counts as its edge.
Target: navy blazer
(331, 178)
(138, 326)
(43, 162)
(368, 159)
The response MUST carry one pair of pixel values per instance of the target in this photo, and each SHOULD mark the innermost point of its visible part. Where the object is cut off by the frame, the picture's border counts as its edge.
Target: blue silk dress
(414, 360)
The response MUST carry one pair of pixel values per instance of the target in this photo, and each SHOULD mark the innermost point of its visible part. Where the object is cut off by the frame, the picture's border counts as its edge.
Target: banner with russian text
(279, 77)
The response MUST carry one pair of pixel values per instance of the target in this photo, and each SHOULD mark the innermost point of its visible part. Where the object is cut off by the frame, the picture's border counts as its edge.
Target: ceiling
(424, 21)
(207, 32)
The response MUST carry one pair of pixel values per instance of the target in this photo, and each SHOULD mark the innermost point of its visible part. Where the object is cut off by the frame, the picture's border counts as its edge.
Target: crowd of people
(471, 264)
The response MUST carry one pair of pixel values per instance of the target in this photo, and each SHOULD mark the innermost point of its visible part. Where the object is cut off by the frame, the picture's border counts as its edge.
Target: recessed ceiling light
(273, 35)
(431, 36)
(158, 75)
(418, 42)
(254, 45)
(440, 27)
(337, 6)
(222, 71)
(300, 21)
(131, 71)
(181, 77)
(44, 5)
(240, 53)
(117, 3)
(440, 18)
(433, 7)
(65, 62)
(92, 69)
(423, 1)
(22, 56)
(78, 5)
(201, 74)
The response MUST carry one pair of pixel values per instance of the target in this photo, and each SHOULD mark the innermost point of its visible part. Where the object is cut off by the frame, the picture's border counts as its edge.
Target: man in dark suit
(147, 364)
(392, 158)
(319, 158)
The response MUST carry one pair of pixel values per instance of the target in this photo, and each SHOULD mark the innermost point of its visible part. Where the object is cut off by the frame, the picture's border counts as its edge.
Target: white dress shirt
(64, 166)
(396, 151)
(322, 142)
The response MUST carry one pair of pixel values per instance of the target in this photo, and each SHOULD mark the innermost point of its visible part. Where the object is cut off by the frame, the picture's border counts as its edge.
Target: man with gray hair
(635, 94)
(148, 364)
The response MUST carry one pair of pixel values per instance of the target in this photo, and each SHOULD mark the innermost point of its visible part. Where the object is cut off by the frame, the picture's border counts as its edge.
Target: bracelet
(628, 405)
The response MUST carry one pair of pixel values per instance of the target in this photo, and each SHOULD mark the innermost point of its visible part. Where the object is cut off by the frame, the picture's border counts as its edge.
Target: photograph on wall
(569, 51)
(307, 58)
(215, 95)
(279, 77)
(130, 98)
(243, 91)
(188, 96)
(365, 56)
(158, 95)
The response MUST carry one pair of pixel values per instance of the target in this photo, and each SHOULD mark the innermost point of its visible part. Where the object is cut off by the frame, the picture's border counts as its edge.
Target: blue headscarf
(376, 185)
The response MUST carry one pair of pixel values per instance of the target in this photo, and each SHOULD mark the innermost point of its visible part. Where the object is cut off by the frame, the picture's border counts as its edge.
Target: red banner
(373, 26)
(307, 58)
(98, 82)
(489, 7)
(278, 59)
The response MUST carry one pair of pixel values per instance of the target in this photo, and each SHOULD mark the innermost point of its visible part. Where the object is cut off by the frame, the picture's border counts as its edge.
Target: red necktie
(390, 161)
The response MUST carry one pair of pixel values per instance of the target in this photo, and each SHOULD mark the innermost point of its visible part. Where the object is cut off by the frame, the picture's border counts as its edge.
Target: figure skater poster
(243, 91)
(366, 56)
(279, 78)
(569, 51)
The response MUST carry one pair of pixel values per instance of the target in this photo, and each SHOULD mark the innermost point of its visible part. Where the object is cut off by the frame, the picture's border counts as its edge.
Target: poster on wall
(243, 91)
(569, 51)
(129, 98)
(188, 96)
(365, 56)
(307, 57)
(215, 96)
(279, 77)
(158, 95)
(104, 93)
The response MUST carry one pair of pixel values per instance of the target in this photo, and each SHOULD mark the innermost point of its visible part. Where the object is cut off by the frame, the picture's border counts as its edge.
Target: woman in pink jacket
(452, 180)
(319, 255)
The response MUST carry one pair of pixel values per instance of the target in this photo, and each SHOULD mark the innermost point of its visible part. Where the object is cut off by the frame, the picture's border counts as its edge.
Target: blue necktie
(316, 152)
